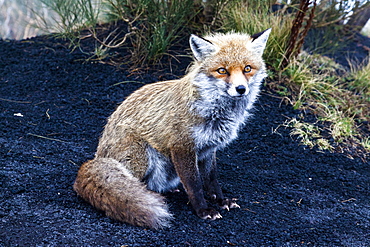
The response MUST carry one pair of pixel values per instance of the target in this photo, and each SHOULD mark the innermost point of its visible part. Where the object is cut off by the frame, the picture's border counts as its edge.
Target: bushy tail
(110, 187)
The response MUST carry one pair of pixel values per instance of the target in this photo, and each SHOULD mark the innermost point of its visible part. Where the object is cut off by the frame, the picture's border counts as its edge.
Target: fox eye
(222, 71)
(247, 69)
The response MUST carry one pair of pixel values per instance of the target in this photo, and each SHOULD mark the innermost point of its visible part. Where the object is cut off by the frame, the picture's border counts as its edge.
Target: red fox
(167, 133)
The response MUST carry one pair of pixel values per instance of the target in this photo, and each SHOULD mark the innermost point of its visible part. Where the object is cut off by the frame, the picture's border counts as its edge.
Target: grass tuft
(365, 142)
(309, 134)
(71, 16)
(164, 23)
(337, 96)
(360, 75)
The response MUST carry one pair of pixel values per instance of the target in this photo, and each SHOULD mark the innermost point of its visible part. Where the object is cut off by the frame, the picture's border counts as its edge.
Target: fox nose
(240, 89)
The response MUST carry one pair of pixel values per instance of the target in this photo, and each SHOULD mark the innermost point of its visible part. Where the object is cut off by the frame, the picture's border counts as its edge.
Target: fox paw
(227, 204)
(209, 213)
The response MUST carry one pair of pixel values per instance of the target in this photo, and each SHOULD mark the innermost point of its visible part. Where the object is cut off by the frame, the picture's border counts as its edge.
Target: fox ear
(259, 40)
(201, 48)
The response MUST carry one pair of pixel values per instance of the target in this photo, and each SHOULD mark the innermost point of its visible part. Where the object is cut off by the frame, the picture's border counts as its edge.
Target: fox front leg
(186, 167)
(209, 173)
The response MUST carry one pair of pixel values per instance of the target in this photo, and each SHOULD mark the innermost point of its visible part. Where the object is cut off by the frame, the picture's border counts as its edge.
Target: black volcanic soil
(53, 106)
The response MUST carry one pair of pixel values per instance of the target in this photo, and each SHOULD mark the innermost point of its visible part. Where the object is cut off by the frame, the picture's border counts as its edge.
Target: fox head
(231, 62)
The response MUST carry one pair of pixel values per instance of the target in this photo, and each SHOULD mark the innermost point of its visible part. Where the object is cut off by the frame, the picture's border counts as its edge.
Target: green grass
(338, 97)
(365, 142)
(308, 133)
